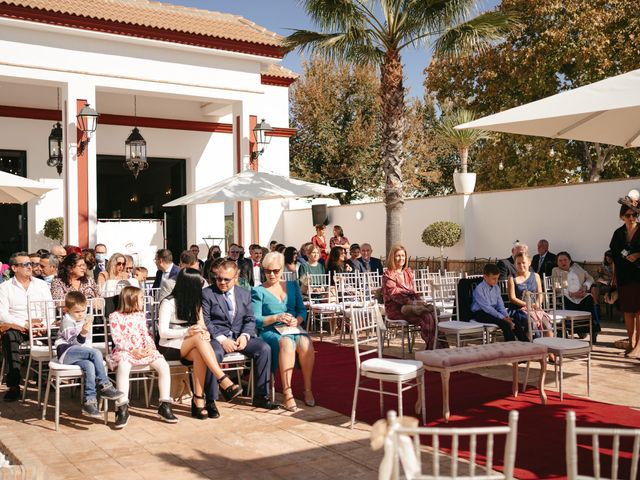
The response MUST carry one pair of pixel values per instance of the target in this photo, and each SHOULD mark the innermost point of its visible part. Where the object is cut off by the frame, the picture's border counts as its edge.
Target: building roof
(279, 72)
(114, 15)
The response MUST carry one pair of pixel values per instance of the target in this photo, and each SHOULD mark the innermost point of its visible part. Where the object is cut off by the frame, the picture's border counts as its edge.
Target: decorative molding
(166, 123)
(282, 132)
(276, 81)
(32, 113)
(120, 28)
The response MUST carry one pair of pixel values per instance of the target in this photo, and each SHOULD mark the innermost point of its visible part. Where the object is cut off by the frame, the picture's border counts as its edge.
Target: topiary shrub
(54, 229)
(442, 234)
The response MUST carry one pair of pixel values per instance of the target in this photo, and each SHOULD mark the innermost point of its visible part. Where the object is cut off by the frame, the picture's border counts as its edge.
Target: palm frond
(476, 34)
(445, 129)
(334, 15)
(353, 46)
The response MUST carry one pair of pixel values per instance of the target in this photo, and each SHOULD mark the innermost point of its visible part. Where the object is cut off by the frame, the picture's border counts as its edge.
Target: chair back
(424, 288)
(615, 440)
(464, 297)
(371, 284)
(407, 451)
(288, 276)
(319, 290)
(537, 328)
(47, 314)
(367, 326)
(349, 288)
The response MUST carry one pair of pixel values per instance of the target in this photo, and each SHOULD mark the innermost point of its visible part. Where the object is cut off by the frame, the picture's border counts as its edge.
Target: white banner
(138, 238)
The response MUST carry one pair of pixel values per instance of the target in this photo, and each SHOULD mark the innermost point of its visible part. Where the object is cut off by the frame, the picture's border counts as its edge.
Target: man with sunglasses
(245, 266)
(14, 317)
(229, 318)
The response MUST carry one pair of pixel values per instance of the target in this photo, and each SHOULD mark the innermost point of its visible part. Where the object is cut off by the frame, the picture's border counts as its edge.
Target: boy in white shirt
(74, 347)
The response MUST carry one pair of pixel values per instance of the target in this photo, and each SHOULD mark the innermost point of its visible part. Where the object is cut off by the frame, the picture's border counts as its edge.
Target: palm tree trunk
(393, 128)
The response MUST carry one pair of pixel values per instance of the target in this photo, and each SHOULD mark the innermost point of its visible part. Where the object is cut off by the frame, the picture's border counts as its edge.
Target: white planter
(464, 182)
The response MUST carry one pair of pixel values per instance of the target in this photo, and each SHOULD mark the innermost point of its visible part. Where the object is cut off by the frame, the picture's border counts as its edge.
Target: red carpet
(475, 401)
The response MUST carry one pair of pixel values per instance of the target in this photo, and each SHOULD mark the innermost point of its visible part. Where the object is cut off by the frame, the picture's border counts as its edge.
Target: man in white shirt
(257, 275)
(14, 317)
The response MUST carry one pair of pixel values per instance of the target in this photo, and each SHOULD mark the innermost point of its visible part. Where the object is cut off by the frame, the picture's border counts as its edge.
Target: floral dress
(129, 332)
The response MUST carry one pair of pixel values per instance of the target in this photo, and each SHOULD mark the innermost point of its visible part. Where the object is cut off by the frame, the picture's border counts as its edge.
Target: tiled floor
(314, 443)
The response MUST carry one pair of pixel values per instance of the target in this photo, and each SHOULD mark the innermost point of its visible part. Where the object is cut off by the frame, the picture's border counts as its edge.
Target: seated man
(354, 258)
(14, 316)
(507, 266)
(187, 260)
(166, 267)
(369, 263)
(228, 315)
(487, 305)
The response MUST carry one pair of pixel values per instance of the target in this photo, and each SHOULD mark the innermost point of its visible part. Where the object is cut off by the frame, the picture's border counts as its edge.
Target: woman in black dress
(625, 249)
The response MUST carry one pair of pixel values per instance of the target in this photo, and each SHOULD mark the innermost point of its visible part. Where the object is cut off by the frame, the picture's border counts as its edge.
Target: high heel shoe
(198, 412)
(309, 402)
(231, 392)
(289, 402)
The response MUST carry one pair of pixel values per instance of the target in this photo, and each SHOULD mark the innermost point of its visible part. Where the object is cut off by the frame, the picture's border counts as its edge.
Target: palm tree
(460, 139)
(375, 32)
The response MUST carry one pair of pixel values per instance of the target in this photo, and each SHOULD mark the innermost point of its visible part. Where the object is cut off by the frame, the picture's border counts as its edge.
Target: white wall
(578, 218)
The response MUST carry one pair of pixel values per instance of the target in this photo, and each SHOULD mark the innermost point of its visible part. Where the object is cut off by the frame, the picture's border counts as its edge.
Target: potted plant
(442, 234)
(54, 229)
(461, 140)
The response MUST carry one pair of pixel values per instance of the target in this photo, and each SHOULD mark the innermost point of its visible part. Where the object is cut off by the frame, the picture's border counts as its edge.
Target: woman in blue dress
(278, 305)
(525, 280)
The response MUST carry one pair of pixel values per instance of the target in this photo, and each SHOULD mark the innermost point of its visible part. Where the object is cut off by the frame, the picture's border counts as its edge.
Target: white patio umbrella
(607, 111)
(251, 185)
(16, 189)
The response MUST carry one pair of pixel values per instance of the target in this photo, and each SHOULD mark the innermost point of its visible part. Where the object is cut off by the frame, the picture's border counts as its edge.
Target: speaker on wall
(319, 214)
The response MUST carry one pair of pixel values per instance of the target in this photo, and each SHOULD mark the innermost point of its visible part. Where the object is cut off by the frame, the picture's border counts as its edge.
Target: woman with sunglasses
(625, 249)
(113, 274)
(278, 306)
(72, 277)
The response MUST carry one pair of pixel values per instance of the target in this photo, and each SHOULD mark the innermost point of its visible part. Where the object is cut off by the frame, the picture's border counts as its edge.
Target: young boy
(140, 274)
(74, 347)
(487, 305)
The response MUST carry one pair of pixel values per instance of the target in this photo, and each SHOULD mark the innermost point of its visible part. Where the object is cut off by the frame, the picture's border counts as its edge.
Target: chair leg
(26, 380)
(57, 408)
(525, 384)
(46, 397)
(589, 374)
(400, 406)
(355, 400)
(381, 396)
(560, 375)
(39, 383)
(402, 341)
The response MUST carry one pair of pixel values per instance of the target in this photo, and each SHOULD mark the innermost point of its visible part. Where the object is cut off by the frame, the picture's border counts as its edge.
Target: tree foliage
(563, 45)
(54, 229)
(336, 109)
(442, 234)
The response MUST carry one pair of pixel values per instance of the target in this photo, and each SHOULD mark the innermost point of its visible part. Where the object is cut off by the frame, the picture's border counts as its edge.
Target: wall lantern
(262, 139)
(87, 122)
(55, 148)
(135, 149)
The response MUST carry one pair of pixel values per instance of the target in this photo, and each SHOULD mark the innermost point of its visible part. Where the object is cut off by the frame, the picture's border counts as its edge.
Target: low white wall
(578, 218)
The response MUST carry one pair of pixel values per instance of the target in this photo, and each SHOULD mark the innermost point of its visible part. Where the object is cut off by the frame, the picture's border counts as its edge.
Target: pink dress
(128, 332)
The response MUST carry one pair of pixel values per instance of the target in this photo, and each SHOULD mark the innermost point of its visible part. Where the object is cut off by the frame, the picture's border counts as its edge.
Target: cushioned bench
(447, 360)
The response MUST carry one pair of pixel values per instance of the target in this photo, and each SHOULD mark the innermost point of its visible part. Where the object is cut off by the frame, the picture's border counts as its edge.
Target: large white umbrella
(251, 185)
(16, 189)
(607, 111)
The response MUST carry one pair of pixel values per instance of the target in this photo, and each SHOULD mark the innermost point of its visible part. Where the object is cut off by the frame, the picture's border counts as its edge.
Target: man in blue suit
(166, 268)
(229, 318)
(369, 263)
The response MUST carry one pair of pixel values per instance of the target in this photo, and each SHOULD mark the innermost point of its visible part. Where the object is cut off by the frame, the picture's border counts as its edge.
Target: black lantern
(262, 139)
(55, 148)
(87, 122)
(135, 152)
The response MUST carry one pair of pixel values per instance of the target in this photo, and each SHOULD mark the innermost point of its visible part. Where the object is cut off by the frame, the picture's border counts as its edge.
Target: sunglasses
(26, 264)
(268, 271)
(223, 280)
(234, 251)
(120, 264)
(629, 215)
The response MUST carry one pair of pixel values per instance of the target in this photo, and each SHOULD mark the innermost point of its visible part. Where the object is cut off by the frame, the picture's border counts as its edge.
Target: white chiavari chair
(406, 460)
(367, 341)
(323, 305)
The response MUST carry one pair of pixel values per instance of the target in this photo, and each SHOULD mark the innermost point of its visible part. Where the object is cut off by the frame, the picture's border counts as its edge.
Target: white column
(241, 152)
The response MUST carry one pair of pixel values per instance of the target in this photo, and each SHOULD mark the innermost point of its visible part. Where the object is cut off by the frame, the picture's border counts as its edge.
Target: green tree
(563, 45)
(336, 110)
(376, 33)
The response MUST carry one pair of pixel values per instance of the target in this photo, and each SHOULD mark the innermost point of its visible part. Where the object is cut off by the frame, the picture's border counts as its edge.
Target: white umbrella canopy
(251, 185)
(16, 189)
(607, 111)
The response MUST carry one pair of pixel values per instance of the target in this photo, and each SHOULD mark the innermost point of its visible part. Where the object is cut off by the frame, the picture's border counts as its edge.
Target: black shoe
(110, 393)
(90, 409)
(12, 394)
(264, 402)
(166, 414)
(212, 410)
(198, 412)
(122, 416)
(231, 392)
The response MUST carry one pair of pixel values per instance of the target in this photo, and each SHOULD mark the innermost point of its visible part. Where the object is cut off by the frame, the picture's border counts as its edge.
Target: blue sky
(282, 16)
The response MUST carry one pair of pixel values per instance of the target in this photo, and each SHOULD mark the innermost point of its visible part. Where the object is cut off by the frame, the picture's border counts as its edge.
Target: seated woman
(277, 305)
(401, 300)
(291, 260)
(113, 275)
(313, 266)
(184, 337)
(72, 277)
(337, 262)
(576, 288)
(526, 281)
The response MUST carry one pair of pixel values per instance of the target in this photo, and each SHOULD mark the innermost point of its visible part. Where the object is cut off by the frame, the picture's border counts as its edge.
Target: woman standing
(72, 277)
(625, 249)
(338, 239)
(184, 337)
(277, 305)
(401, 300)
(319, 241)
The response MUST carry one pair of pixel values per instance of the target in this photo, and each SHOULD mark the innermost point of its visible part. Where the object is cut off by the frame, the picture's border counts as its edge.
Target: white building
(199, 80)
